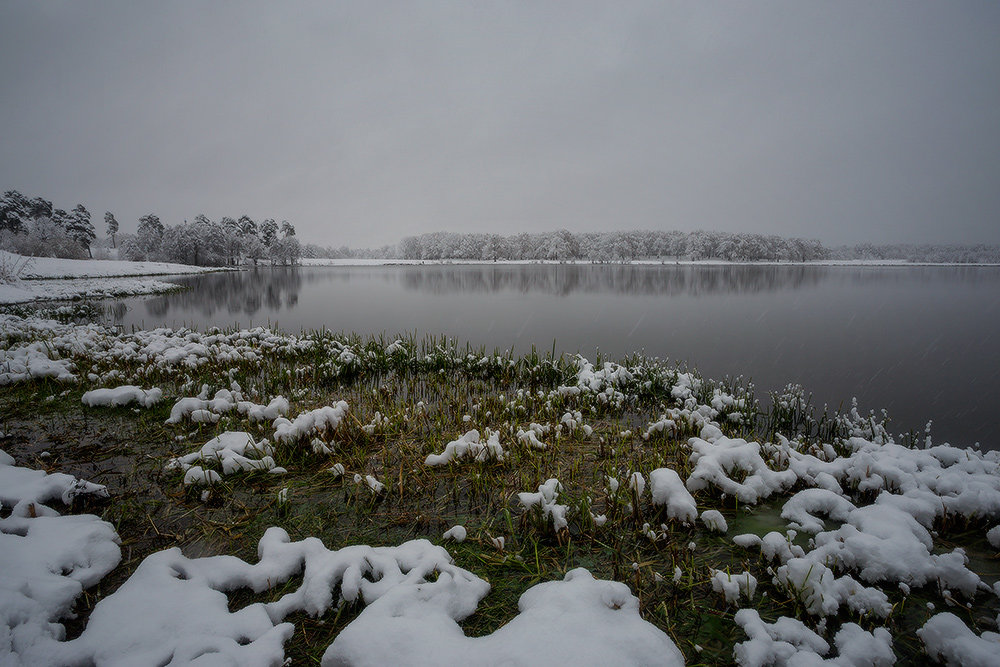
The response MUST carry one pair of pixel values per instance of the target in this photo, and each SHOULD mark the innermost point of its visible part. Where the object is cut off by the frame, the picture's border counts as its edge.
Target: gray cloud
(364, 122)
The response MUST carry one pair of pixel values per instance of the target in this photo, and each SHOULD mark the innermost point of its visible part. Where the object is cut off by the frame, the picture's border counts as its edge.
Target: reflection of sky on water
(919, 341)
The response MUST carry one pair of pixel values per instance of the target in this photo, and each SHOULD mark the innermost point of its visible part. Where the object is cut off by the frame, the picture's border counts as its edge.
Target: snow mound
(788, 641)
(714, 521)
(716, 458)
(34, 361)
(577, 621)
(529, 438)
(457, 533)
(20, 487)
(47, 560)
(734, 586)
(947, 639)
(123, 395)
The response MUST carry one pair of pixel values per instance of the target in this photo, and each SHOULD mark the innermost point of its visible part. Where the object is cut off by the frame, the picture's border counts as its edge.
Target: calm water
(919, 341)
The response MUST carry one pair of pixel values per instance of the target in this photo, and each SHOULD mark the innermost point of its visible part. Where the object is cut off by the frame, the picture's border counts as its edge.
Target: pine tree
(80, 229)
(13, 210)
(112, 227)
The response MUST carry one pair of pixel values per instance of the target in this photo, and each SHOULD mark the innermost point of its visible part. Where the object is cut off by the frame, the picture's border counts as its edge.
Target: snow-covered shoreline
(55, 279)
(51, 268)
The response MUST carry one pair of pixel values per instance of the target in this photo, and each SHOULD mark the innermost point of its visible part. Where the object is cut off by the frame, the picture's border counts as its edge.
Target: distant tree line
(938, 254)
(564, 245)
(33, 227)
(626, 246)
(313, 251)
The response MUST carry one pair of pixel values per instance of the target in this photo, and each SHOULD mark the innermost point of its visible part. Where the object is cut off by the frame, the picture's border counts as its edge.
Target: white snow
(716, 458)
(123, 395)
(319, 422)
(468, 445)
(54, 267)
(576, 621)
(92, 288)
(947, 639)
(47, 560)
(529, 438)
(34, 361)
(666, 488)
(232, 451)
(637, 483)
(414, 594)
(456, 533)
(734, 586)
(788, 641)
(277, 407)
(545, 500)
(714, 521)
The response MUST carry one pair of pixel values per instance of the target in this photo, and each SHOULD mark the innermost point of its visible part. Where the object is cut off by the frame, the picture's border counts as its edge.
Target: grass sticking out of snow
(429, 393)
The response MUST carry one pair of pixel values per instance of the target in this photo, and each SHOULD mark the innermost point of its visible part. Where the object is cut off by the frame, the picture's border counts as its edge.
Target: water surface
(918, 341)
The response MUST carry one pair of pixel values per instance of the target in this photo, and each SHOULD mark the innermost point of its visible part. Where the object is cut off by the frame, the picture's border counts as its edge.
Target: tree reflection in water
(235, 293)
(565, 279)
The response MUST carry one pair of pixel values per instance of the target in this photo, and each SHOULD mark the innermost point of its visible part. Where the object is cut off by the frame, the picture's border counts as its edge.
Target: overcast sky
(363, 122)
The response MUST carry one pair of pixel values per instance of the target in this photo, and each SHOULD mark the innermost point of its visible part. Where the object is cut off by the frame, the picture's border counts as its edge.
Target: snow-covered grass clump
(232, 452)
(469, 445)
(122, 395)
(544, 502)
(733, 587)
(321, 422)
(788, 641)
(668, 490)
(201, 408)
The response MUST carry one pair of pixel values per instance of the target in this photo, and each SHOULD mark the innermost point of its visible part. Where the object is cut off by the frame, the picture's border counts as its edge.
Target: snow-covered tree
(254, 248)
(111, 227)
(40, 208)
(411, 247)
(287, 229)
(13, 211)
(285, 250)
(246, 225)
(268, 232)
(149, 234)
(80, 229)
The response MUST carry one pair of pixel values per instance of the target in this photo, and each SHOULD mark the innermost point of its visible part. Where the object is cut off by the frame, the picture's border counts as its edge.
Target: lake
(919, 341)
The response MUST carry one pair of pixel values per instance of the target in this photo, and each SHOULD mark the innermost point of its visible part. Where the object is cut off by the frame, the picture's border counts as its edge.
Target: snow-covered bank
(54, 279)
(27, 291)
(45, 268)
